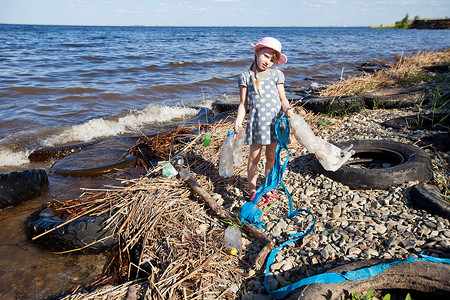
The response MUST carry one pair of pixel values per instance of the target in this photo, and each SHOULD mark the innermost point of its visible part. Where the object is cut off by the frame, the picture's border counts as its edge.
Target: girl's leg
(269, 197)
(252, 167)
(270, 157)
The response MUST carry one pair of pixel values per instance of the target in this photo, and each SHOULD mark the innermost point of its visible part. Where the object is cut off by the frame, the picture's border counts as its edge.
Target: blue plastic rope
(360, 274)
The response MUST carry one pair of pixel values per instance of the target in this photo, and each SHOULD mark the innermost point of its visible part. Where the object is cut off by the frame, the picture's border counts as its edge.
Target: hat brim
(283, 58)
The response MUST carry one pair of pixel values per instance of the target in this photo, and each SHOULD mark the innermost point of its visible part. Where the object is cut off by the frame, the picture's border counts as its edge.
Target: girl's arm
(285, 106)
(242, 107)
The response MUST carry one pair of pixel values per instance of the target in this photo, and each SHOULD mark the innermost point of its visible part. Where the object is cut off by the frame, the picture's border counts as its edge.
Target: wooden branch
(223, 213)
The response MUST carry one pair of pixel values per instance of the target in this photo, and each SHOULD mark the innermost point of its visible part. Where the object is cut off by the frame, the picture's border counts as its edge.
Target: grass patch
(416, 78)
(323, 123)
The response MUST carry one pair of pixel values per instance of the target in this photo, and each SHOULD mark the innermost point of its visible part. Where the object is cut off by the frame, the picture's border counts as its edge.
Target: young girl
(262, 89)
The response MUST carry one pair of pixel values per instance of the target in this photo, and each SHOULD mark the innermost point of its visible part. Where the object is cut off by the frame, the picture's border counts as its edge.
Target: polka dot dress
(264, 106)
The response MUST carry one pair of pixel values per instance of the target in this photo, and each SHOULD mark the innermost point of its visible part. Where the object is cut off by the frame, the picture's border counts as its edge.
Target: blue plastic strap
(360, 274)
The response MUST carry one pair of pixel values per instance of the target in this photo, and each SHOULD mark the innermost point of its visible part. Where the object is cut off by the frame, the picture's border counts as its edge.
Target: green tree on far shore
(403, 24)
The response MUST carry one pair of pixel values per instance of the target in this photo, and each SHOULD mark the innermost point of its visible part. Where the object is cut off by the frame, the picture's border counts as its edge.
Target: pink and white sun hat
(273, 44)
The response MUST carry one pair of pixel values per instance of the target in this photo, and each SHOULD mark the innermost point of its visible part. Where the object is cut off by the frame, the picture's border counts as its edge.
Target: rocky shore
(352, 225)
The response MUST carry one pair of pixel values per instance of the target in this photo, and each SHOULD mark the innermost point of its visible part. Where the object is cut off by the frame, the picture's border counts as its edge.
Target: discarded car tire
(202, 118)
(86, 234)
(379, 164)
(72, 165)
(438, 141)
(220, 107)
(393, 98)
(338, 105)
(429, 198)
(430, 121)
(57, 152)
(19, 186)
(422, 277)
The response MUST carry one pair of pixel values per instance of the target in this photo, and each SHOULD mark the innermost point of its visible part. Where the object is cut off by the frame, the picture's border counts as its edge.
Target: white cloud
(225, 1)
(126, 11)
(79, 3)
(327, 1)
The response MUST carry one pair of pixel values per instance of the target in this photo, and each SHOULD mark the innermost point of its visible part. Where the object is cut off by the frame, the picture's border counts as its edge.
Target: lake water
(67, 84)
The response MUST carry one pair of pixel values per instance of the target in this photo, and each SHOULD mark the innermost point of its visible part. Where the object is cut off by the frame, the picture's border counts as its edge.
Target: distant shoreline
(440, 24)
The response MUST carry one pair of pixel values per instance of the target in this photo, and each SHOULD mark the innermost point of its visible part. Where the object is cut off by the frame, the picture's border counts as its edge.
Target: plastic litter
(168, 171)
(184, 174)
(314, 85)
(233, 239)
(207, 140)
(226, 156)
(330, 156)
(237, 153)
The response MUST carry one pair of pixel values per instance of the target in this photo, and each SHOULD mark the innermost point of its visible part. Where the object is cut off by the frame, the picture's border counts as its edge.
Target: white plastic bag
(330, 156)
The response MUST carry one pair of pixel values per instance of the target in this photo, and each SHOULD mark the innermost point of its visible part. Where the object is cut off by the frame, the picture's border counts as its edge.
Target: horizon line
(254, 26)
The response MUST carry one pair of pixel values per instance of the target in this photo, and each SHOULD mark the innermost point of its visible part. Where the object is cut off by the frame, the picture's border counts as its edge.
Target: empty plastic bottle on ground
(226, 156)
(233, 239)
(237, 154)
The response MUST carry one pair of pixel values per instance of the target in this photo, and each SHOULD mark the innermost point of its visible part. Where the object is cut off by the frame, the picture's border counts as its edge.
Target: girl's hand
(237, 127)
(288, 111)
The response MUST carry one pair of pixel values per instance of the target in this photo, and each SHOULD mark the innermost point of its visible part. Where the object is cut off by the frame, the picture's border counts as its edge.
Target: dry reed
(180, 241)
(398, 73)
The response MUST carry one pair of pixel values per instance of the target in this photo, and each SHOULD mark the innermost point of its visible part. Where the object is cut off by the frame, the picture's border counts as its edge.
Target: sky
(219, 12)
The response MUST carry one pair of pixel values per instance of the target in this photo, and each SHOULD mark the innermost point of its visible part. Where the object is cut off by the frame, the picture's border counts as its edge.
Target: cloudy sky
(219, 12)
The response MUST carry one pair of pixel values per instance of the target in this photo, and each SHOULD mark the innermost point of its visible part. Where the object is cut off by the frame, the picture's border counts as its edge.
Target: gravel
(351, 225)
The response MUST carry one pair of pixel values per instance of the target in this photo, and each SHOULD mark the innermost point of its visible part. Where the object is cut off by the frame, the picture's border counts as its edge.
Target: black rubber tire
(437, 68)
(438, 141)
(227, 116)
(424, 277)
(336, 105)
(96, 171)
(429, 198)
(295, 98)
(437, 121)
(370, 68)
(19, 186)
(406, 163)
(88, 234)
(393, 98)
(220, 107)
(203, 117)
(58, 152)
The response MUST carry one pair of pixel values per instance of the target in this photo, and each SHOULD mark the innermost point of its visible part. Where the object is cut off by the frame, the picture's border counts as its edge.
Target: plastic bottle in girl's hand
(237, 154)
(226, 156)
(233, 240)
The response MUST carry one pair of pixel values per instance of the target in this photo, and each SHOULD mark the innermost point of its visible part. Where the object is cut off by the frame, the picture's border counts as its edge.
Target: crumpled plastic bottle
(226, 156)
(237, 153)
(233, 239)
(330, 156)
